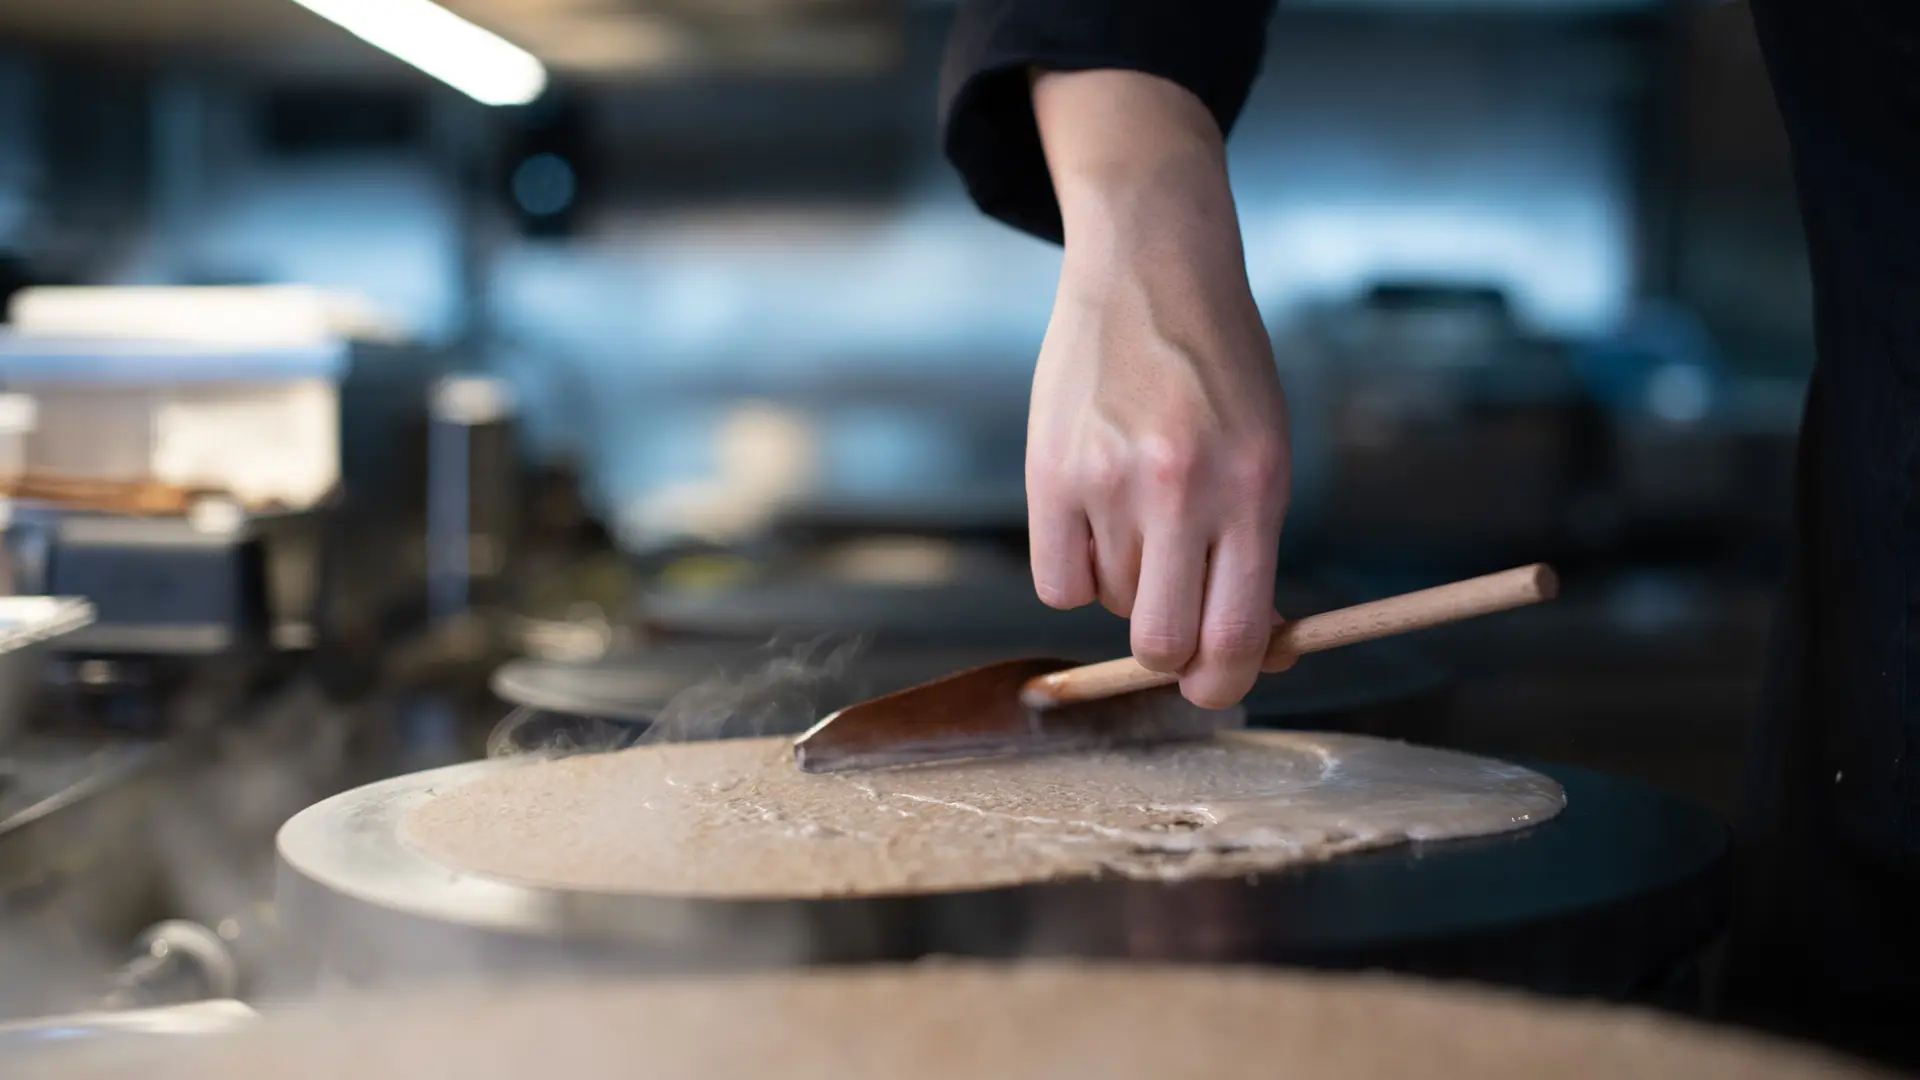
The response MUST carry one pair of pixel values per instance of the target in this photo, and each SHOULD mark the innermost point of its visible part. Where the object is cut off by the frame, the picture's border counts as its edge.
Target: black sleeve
(1211, 47)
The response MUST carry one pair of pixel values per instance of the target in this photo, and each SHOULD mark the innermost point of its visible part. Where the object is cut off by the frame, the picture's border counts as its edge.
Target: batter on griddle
(735, 818)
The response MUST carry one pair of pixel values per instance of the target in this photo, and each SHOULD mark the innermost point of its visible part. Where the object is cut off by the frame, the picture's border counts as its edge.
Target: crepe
(965, 1022)
(736, 818)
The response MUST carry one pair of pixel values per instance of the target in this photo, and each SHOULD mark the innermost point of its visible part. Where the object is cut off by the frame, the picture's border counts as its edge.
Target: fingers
(1237, 620)
(1060, 542)
(1172, 589)
(1283, 662)
(1116, 558)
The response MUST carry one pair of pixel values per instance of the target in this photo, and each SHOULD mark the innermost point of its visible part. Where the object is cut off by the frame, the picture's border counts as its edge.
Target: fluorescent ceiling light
(477, 62)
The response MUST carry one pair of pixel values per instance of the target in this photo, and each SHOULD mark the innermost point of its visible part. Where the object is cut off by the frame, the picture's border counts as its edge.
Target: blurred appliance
(315, 385)
(473, 492)
(75, 875)
(233, 448)
(78, 874)
(174, 484)
(162, 586)
(146, 420)
(29, 626)
(1700, 456)
(1449, 429)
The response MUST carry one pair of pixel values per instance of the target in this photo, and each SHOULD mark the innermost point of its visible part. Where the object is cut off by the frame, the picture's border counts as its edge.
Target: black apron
(1827, 931)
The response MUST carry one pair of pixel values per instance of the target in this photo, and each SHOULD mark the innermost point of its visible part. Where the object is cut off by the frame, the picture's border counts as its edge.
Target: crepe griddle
(1615, 897)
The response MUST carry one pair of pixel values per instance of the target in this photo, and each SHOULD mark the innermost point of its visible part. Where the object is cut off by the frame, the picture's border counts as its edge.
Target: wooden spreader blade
(978, 713)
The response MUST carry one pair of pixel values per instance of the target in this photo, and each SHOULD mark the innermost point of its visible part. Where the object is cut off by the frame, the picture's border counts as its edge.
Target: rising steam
(778, 689)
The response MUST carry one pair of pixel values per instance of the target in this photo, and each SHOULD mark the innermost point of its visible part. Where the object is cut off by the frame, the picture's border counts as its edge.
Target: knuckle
(1160, 647)
(1102, 473)
(1237, 639)
(1259, 465)
(1171, 461)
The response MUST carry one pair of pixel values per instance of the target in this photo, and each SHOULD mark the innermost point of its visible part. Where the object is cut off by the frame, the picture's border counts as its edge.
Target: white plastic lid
(19, 414)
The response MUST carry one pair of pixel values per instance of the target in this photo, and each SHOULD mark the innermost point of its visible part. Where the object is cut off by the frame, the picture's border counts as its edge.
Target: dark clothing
(1829, 920)
(1211, 47)
(1828, 923)
(1847, 77)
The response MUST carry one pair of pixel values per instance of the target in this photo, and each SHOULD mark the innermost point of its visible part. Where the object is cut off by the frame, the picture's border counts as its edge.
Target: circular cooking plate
(1345, 689)
(1610, 898)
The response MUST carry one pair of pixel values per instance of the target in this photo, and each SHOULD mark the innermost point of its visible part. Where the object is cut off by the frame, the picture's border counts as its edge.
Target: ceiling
(592, 37)
(579, 36)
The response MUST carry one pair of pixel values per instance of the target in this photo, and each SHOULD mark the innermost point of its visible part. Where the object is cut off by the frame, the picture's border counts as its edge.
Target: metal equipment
(1615, 897)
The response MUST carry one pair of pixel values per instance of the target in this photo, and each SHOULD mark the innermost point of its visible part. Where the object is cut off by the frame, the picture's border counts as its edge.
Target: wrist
(1175, 209)
(1116, 139)
(1136, 162)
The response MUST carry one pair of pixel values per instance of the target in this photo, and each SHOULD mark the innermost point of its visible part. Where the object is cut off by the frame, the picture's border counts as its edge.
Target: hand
(1157, 467)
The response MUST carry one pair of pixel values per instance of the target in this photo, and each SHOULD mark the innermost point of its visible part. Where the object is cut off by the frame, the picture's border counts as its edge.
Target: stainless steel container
(28, 626)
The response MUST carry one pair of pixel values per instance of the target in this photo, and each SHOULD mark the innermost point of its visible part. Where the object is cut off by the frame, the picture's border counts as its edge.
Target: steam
(780, 688)
(782, 695)
(205, 835)
(527, 730)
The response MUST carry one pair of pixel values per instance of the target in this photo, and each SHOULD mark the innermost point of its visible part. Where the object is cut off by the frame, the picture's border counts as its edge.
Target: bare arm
(1157, 467)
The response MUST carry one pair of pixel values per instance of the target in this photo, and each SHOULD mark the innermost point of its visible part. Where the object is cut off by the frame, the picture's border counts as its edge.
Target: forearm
(1139, 166)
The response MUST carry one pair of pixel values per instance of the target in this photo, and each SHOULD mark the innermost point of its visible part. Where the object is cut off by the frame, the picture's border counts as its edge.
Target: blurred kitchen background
(366, 408)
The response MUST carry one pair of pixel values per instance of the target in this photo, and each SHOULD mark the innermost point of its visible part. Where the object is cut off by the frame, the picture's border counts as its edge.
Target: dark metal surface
(160, 585)
(969, 611)
(1611, 898)
(988, 603)
(1379, 688)
(914, 634)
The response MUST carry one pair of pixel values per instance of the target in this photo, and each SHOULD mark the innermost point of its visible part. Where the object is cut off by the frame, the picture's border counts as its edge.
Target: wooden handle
(1316, 633)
